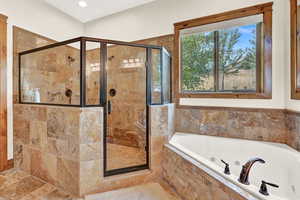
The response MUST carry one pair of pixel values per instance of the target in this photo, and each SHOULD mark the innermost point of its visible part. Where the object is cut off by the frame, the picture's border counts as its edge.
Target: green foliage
(198, 57)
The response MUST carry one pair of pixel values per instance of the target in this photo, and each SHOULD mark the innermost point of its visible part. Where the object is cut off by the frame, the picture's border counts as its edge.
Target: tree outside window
(221, 61)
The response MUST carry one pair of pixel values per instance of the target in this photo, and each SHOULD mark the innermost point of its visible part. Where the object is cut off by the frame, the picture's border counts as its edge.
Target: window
(295, 53)
(225, 58)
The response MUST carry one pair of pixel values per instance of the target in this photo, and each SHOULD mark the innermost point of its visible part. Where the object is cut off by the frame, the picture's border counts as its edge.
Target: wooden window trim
(295, 62)
(265, 91)
(4, 164)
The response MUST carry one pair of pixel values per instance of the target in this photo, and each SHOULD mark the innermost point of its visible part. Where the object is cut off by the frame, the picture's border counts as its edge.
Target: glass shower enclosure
(123, 78)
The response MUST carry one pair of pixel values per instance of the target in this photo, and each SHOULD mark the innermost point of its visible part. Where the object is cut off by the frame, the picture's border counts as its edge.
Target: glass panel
(166, 76)
(222, 57)
(51, 76)
(92, 73)
(126, 113)
(197, 62)
(237, 58)
(156, 76)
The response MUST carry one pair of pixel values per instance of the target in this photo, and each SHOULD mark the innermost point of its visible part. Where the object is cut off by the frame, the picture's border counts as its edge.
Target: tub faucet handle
(263, 187)
(226, 170)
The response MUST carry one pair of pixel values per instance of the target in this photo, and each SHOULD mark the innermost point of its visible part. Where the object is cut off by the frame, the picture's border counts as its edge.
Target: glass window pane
(237, 58)
(156, 76)
(166, 76)
(51, 76)
(197, 62)
(298, 46)
(92, 73)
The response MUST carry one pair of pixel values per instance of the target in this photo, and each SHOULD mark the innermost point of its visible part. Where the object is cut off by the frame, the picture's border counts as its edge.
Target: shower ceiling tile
(95, 8)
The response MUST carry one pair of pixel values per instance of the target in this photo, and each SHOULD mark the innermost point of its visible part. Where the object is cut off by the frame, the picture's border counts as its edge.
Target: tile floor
(120, 156)
(18, 185)
(150, 191)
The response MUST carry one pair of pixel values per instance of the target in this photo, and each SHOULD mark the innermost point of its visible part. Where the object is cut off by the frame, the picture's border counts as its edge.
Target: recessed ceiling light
(82, 4)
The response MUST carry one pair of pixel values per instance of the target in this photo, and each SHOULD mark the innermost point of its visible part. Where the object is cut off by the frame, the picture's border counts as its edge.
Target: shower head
(68, 93)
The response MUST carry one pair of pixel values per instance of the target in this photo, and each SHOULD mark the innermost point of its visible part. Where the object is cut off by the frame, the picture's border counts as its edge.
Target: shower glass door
(126, 112)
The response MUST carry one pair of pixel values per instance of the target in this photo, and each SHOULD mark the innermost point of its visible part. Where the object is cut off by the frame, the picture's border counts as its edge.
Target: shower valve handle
(109, 107)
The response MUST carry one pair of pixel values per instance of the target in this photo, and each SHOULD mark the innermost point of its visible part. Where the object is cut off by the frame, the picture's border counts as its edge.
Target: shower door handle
(109, 107)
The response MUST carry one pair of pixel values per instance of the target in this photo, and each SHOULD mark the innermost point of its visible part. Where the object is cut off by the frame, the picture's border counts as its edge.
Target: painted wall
(157, 18)
(36, 16)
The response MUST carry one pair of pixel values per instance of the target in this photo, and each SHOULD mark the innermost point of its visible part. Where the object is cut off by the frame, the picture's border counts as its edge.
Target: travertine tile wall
(63, 146)
(293, 129)
(24, 40)
(161, 125)
(92, 78)
(269, 125)
(191, 182)
(127, 121)
(253, 124)
(53, 71)
(51, 142)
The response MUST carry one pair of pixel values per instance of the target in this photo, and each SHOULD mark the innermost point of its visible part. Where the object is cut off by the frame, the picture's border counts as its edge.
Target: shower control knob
(226, 170)
(112, 92)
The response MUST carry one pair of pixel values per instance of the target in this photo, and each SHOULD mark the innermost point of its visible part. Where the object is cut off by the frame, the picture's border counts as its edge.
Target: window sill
(226, 95)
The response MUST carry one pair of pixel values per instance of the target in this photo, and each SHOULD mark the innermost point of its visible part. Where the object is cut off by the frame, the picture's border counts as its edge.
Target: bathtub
(282, 165)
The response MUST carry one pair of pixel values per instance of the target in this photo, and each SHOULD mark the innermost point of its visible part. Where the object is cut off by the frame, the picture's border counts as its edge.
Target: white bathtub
(282, 165)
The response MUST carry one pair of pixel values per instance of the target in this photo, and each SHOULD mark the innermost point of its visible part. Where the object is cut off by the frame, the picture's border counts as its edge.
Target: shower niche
(125, 79)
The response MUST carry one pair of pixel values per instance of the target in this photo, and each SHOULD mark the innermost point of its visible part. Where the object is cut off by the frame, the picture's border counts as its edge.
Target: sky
(247, 34)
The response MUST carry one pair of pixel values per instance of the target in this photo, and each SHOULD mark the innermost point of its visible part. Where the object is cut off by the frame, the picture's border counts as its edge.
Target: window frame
(295, 64)
(264, 74)
(4, 162)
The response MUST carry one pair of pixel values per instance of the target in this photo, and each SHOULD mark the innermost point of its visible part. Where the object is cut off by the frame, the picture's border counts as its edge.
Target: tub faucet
(246, 169)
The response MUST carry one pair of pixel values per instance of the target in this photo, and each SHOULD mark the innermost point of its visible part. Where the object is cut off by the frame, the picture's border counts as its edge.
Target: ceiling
(95, 9)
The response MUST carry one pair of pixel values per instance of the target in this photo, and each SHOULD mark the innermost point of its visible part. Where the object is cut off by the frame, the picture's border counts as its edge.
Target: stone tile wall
(127, 121)
(51, 142)
(269, 125)
(253, 124)
(92, 75)
(63, 146)
(91, 170)
(192, 183)
(293, 129)
(53, 71)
